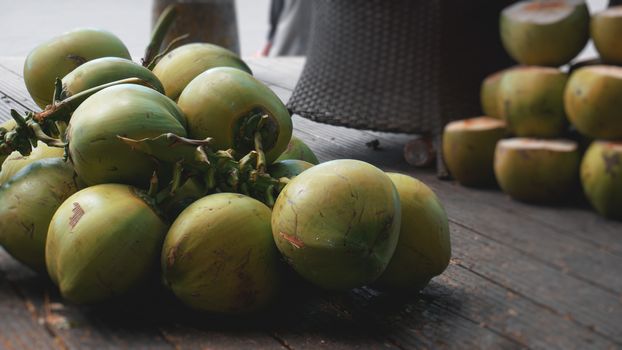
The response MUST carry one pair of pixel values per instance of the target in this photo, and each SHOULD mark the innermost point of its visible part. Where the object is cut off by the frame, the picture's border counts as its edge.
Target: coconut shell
(601, 176)
(423, 249)
(593, 101)
(531, 100)
(539, 171)
(545, 33)
(469, 148)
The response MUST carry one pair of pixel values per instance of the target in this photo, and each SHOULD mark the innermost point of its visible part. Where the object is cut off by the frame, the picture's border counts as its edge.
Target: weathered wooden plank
(77, 327)
(19, 326)
(557, 290)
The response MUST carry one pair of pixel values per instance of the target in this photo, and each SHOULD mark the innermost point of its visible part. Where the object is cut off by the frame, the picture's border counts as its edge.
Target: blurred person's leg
(290, 25)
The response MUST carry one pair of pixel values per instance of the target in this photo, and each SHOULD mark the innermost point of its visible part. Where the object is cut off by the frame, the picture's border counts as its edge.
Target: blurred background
(26, 23)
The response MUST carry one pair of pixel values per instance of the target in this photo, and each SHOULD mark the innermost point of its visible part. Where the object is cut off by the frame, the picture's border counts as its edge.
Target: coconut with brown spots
(423, 249)
(531, 100)
(337, 224)
(103, 242)
(27, 203)
(541, 171)
(219, 255)
(545, 33)
(601, 176)
(593, 101)
(606, 30)
(469, 148)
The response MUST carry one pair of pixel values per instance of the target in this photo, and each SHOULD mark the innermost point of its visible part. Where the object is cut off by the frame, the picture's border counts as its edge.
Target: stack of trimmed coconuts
(552, 114)
(184, 170)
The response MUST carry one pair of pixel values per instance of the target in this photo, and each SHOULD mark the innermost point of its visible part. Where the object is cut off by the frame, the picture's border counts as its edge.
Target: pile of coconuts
(184, 170)
(564, 124)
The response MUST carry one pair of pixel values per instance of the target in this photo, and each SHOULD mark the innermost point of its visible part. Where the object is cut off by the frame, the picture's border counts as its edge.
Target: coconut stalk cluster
(184, 170)
(551, 111)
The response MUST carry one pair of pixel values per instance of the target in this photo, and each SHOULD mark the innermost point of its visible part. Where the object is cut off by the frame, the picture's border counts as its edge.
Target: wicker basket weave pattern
(398, 65)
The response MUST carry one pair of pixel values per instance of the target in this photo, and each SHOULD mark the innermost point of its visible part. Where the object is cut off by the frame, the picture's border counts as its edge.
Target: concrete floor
(25, 23)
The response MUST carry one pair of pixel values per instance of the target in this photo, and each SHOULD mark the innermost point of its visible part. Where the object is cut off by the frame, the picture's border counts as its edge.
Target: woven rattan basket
(399, 65)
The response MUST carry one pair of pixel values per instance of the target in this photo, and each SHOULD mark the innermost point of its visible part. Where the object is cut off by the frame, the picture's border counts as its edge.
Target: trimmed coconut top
(523, 143)
(611, 71)
(542, 11)
(479, 123)
(612, 145)
(538, 69)
(615, 11)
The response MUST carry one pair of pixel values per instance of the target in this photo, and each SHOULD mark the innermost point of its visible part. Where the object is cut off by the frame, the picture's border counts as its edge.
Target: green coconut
(488, 94)
(531, 100)
(27, 203)
(127, 110)
(7, 126)
(177, 69)
(288, 168)
(469, 149)
(593, 101)
(601, 176)
(62, 54)
(606, 30)
(16, 161)
(424, 248)
(545, 33)
(539, 171)
(103, 242)
(106, 70)
(219, 255)
(297, 149)
(226, 104)
(337, 224)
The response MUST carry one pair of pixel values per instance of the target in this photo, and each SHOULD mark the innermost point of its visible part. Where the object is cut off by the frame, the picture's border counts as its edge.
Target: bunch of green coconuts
(553, 113)
(184, 170)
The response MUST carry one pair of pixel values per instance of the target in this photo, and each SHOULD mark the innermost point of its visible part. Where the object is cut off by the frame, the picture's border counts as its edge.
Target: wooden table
(521, 276)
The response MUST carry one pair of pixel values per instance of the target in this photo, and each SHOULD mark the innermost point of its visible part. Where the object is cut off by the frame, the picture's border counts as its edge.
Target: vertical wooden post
(211, 21)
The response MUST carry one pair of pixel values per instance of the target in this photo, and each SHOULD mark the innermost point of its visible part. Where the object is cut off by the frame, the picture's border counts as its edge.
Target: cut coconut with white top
(606, 31)
(548, 33)
(533, 170)
(469, 147)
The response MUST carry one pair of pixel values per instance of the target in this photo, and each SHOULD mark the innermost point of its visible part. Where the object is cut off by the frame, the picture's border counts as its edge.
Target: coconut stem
(164, 52)
(166, 19)
(62, 110)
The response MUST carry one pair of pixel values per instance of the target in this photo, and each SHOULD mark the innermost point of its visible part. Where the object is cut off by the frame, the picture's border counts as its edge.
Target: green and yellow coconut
(16, 161)
(177, 69)
(297, 149)
(424, 248)
(337, 224)
(127, 110)
(545, 33)
(531, 100)
(103, 242)
(469, 149)
(489, 94)
(593, 103)
(219, 255)
(601, 176)
(606, 31)
(58, 56)
(27, 203)
(227, 105)
(106, 70)
(536, 170)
